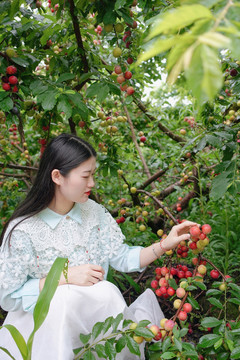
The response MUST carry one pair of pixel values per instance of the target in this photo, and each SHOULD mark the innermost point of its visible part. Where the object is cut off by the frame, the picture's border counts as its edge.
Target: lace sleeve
(16, 259)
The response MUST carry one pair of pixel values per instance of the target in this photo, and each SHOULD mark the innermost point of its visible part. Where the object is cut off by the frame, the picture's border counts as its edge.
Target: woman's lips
(88, 192)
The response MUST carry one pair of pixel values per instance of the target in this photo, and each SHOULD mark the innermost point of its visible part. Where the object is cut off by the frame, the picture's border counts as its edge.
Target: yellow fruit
(169, 252)
(202, 269)
(145, 213)
(162, 322)
(160, 232)
(133, 190)
(11, 52)
(119, 27)
(177, 303)
(133, 326)
(138, 339)
(183, 284)
(108, 27)
(142, 227)
(117, 52)
(223, 286)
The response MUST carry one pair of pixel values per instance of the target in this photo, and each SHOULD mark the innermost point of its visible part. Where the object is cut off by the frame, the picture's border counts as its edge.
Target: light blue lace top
(87, 234)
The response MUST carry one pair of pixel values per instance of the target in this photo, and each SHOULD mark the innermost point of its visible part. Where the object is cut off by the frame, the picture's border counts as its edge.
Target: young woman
(57, 219)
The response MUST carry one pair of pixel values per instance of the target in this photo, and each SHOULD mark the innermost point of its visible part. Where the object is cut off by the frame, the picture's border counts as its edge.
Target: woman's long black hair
(65, 152)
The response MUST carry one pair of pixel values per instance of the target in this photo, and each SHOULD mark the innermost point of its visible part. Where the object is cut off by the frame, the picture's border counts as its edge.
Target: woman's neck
(60, 207)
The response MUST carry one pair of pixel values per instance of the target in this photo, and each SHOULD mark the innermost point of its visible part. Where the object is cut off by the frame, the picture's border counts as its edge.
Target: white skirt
(73, 311)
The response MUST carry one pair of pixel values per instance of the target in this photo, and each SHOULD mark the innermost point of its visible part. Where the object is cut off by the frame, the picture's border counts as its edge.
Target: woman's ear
(56, 176)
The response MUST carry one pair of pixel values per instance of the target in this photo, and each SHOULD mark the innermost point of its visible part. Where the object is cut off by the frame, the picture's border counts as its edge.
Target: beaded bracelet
(153, 249)
(160, 243)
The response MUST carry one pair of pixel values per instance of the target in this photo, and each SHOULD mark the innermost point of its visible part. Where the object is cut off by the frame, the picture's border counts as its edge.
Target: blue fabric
(27, 294)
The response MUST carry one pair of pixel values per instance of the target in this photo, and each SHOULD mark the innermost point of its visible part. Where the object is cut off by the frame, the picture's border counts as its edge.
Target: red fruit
(124, 87)
(164, 271)
(118, 69)
(120, 79)
(173, 271)
(206, 229)
(158, 271)
(56, 6)
(188, 274)
(195, 261)
(125, 37)
(130, 90)
(233, 72)
(179, 251)
(154, 284)
(163, 290)
(6, 87)
(158, 292)
(214, 274)
(184, 249)
(179, 208)
(13, 80)
(130, 60)
(187, 307)
(128, 75)
(170, 291)
(122, 219)
(181, 274)
(11, 70)
(134, 25)
(182, 315)
(143, 139)
(15, 89)
(128, 43)
(200, 357)
(184, 268)
(195, 231)
(118, 221)
(184, 254)
(99, 28)
(193, 246)
(52, 10)
(202, 236)
(81, 124)
(158, 336)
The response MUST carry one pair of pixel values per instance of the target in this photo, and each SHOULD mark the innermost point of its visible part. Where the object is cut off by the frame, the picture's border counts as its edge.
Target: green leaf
(157, 47)
(234, 301)
(213, 292)
(166, 344)
(208, 340)
(18, 339)
(178, 18)
(15, 4)
(119, 4)
(183, 332)
(116, 322)
(107, 324)
(20, 61)
(235, 287)
(120, 344)
(38, 87)
(178, 344)
(45, 296)
(63, 105)
(100, 350)
(6, 104)
(199, 284)
(143, 323)
(65, 77)
(193, 302)
(94, 89)
(89, 355)
(172, 283)
(48, 100)
(97, 328)
(168, 355)
(219, 185)
(103, 93)
(132, 345)
(216, 303)
(136, 286)
(85, 338)
(235, 354)
(110, 350)
(211, 322)
(218, 343)
(144, 332)
(7, 352)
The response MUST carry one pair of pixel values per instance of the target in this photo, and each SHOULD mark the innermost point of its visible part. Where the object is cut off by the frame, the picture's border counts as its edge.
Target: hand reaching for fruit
(177, 234)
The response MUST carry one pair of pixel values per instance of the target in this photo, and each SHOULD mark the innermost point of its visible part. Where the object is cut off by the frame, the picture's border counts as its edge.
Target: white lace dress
(87, 234)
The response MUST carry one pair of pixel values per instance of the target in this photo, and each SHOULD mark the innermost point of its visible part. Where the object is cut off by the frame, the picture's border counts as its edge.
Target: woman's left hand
(177, 234)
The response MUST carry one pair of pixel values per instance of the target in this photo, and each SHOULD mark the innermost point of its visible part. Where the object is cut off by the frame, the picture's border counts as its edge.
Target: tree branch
(164, 129)
(21, 167)
(77, 32)
(153, 178)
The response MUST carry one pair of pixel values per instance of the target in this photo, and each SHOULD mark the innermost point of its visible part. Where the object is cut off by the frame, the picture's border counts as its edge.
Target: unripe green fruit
(108, 27)
(117, 52)
(119, 27)
(11, 52)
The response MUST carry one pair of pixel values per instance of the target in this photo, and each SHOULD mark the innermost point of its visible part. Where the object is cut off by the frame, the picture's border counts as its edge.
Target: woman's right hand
(84, 275)
(81, 275)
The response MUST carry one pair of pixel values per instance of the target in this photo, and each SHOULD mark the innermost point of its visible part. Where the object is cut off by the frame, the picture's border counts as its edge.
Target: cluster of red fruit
(13, 130)
(122, 79)
(182, 250)
(120, 220)
(50, 6)
(43, 143)
(160, 283)
(9, 81)
(199, 237)
(190, 120)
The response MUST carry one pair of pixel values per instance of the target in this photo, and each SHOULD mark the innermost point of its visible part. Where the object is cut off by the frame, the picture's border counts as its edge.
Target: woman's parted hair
(65, 152)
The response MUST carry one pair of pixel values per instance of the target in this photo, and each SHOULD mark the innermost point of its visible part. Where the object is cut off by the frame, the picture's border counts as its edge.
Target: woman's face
(77, 184)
